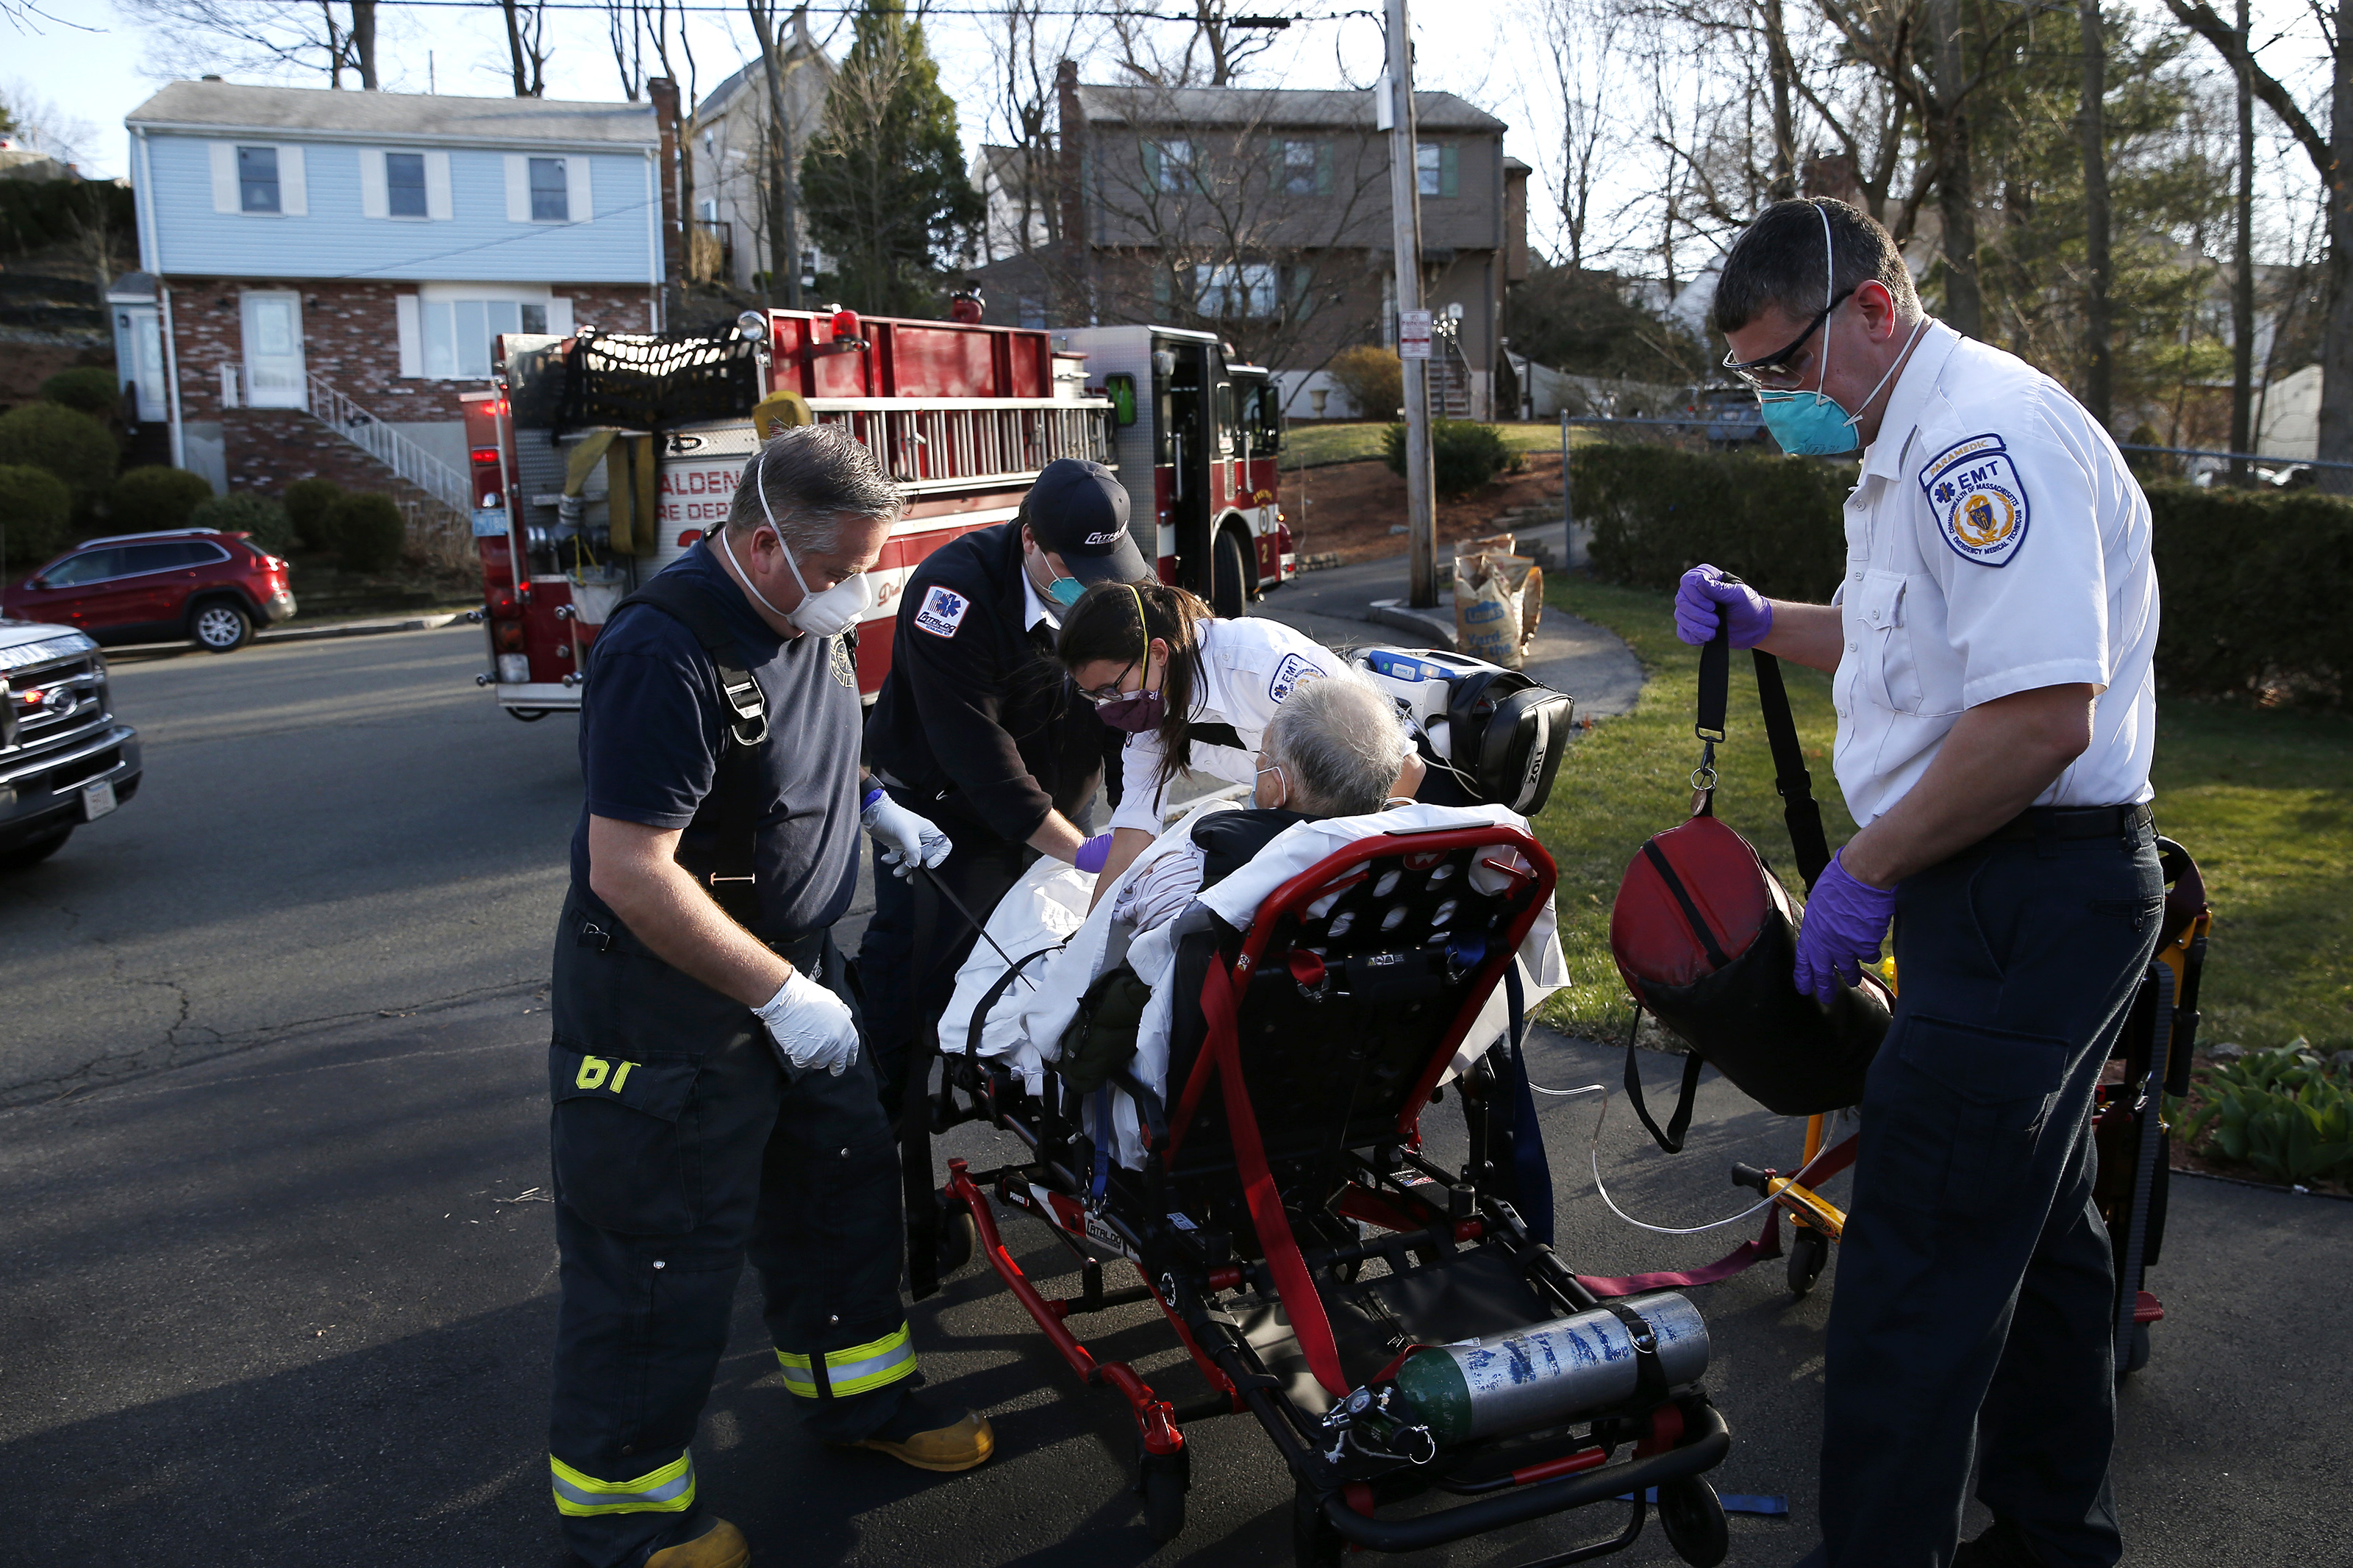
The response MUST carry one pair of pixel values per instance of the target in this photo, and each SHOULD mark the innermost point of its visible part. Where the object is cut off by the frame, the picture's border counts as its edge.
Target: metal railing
(388, 446)
(955, 443)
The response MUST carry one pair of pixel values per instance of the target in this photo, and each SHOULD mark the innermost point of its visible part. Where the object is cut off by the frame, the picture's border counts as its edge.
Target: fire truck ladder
(955, 443)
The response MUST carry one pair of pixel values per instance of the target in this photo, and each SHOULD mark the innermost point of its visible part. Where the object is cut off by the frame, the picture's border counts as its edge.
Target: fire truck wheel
(1229, 579)
(528, 715)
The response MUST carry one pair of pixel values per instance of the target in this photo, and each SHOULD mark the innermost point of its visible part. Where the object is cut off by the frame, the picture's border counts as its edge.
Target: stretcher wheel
(959, 1238)
(1164, 1480)
(2135, 1351)
(1809, 1249)
(1692, 1518)
(1313, 1543)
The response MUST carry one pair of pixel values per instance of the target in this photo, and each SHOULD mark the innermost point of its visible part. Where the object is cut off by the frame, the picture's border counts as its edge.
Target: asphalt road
(277, 1274)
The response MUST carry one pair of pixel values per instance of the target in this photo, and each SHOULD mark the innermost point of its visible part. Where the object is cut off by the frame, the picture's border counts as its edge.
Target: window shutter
(1450, 169)
(577, 208)
(1152, 166)
(1323, 168)
(293, 196)
(1164, 289)
(412, 339)
(1302, 292)
(373, 202)
(224, 177)
(518, 188)
(436, 186)
(559, 316)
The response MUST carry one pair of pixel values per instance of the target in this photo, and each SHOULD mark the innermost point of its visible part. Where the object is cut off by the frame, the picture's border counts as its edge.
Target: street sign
(1413, 334)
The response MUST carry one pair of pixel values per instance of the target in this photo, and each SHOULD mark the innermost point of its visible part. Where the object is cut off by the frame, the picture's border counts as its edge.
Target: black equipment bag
(1508, 733)
(1705, 937)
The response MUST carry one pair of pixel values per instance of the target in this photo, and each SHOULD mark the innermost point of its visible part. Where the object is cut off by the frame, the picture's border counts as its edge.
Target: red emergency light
(846, 327)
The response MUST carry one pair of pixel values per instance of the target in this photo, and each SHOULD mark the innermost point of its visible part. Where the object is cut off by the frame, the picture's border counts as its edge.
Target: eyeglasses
(1111, 691)
(1773, 372)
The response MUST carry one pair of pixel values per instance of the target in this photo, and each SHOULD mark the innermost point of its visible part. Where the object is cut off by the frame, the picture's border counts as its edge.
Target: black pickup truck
(64, 759)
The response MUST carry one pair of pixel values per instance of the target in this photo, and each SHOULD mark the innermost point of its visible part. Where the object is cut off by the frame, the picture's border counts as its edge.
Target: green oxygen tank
(1547, 1373)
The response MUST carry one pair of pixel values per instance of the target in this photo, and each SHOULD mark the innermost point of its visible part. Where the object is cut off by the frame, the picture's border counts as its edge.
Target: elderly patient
(1334, 748)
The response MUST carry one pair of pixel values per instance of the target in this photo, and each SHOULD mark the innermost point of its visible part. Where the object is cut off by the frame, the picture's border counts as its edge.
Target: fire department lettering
(942, 611)
(1979, 501)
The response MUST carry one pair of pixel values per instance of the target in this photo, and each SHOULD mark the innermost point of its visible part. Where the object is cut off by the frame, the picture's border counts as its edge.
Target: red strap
(1766, 1245)
(1293, 1283)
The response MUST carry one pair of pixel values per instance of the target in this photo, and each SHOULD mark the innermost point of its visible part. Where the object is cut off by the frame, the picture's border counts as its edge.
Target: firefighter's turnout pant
(681, 1142)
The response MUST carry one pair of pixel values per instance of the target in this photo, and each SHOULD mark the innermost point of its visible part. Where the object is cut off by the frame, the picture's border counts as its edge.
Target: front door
(273, 350)
(144, 338)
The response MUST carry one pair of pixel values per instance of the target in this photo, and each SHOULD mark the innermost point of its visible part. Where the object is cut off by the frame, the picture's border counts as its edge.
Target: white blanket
(1024, 1030)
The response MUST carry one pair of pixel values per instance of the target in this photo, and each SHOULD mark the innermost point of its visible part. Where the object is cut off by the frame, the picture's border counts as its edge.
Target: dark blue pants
(1973, 1312)
(667, 1174)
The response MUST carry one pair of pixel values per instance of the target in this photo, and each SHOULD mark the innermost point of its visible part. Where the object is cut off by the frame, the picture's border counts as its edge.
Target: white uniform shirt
(1996, 544)
(1248, 667)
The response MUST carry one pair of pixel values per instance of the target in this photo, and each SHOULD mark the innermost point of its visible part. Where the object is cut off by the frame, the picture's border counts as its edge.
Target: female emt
(1191, 691)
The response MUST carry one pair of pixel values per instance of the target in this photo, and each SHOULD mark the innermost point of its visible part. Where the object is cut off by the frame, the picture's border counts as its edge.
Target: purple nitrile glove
(1093, 853)
(1843, 922)
(1705, 594)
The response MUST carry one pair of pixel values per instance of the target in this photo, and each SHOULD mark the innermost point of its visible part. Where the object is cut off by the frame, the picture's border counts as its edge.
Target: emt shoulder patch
(1979, 499)
(1292, 674)
(942, 611)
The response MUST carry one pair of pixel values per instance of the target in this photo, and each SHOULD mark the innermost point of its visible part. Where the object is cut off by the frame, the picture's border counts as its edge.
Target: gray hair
(1779, 261)
(1340, 743)
(813, 476)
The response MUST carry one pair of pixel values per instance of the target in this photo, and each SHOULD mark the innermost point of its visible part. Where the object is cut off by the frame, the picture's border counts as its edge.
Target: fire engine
(599, 460)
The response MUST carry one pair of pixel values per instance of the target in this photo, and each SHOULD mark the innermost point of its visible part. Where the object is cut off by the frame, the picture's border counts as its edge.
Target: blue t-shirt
(651, 738)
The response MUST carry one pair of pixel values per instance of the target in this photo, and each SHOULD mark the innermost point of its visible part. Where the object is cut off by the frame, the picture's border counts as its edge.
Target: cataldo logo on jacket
(942, 611)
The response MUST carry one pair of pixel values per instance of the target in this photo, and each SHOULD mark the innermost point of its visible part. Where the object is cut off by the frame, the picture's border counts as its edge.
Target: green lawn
(1313, 446)
(2265, 801)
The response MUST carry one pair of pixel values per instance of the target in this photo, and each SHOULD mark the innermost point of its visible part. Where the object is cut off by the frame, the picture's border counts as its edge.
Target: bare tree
(1586, 60)
(307, 34)
(1024, 47)
(1216, 43)
(527, 46)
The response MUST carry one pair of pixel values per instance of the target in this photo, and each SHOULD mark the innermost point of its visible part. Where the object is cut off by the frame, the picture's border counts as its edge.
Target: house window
(458, 333)
(1169, 164)
(549, 191)
(1436, 168)
(1246, 291)
(404, 184)
(257, 179)
(1306, 169)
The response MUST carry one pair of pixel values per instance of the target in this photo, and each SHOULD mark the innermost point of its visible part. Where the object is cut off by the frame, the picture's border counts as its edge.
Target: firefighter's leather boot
(720, 1546)
(917, 1436)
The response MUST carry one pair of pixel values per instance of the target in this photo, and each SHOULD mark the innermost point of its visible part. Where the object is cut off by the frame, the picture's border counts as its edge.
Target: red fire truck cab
(599, 460)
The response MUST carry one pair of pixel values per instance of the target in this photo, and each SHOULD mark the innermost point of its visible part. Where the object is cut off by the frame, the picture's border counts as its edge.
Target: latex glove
(1843, 922)
(1094, 853)
(1705, 594)
(811, 1027)
(908, 840)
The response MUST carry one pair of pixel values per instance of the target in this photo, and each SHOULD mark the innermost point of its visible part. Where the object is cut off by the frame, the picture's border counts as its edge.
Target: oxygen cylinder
(1548, 1373)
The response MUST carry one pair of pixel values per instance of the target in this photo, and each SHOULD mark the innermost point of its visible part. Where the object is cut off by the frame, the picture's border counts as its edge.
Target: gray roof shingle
(233, 106)
(1245, 107)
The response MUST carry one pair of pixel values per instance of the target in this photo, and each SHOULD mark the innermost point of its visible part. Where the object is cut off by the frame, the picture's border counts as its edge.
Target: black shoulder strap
(732, 874)
(1791, 780)
(1671, 1140)
(695, 606)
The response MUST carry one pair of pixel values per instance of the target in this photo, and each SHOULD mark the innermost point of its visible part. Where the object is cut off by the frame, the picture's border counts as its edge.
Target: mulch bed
(1347, 509)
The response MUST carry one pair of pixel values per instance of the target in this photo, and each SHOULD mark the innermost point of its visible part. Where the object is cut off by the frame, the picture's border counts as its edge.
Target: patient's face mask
(1266, 795)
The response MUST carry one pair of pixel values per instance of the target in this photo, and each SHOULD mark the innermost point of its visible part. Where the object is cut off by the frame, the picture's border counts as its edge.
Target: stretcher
(1425, 1367)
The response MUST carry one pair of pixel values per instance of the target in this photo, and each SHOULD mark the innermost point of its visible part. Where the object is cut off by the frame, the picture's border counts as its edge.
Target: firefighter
(711, 1094)
(1990, 649)
(975, 727)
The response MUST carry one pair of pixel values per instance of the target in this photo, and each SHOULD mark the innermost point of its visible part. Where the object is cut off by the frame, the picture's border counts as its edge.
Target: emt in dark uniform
(711, 1097)
(1990, 648)
(977, 728)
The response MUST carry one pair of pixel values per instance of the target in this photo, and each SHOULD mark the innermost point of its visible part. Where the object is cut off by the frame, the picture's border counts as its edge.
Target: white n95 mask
(820, 615)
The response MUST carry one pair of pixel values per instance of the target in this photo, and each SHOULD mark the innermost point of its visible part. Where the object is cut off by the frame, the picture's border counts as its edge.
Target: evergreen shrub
(259, 516)
(35, 507)
(368, 530)
(308, 501)
(155, 497)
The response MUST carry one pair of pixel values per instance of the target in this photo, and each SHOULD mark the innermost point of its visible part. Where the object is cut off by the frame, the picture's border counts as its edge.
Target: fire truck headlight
(752, 325)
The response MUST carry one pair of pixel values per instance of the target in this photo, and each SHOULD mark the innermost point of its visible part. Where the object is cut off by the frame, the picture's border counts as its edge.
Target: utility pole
(1404, 227)
(2242, 266)
(2098, 370)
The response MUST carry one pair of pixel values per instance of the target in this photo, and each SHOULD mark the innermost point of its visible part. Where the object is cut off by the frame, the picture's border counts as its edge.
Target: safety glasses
(1777, 371)
(1113, 690)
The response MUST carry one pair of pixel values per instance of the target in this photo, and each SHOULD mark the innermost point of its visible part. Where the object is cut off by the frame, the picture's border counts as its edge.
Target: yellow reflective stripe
(856, 1370)
(670, 1489)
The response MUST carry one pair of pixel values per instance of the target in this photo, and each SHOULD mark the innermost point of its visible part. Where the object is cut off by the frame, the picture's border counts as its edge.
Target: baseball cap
(1078, 509)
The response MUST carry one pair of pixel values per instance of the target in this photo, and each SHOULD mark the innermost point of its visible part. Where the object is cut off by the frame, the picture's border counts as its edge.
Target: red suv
(210, 587)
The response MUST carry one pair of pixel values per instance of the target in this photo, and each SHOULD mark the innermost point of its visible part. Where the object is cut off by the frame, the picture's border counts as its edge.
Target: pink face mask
(1136, 712)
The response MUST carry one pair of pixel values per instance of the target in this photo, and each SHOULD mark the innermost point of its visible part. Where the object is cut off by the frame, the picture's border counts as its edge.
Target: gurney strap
(1529, 1167)
(1293, 1283)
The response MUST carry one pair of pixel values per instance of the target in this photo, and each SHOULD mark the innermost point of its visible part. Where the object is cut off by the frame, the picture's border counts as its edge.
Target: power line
(1267, 23)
